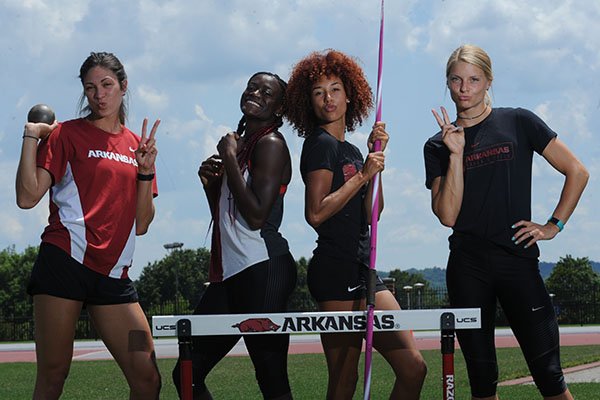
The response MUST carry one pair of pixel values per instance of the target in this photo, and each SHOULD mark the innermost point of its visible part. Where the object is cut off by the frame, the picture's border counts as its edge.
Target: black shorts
(56, 273)
(331, 278)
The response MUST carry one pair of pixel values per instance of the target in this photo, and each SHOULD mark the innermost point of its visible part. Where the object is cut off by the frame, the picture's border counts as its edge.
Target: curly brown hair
(309, 70)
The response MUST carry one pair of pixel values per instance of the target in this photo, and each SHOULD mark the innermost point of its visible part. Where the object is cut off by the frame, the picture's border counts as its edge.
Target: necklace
(475, 117)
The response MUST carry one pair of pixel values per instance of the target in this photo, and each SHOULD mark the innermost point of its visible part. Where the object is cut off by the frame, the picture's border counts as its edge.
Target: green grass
(233, 378)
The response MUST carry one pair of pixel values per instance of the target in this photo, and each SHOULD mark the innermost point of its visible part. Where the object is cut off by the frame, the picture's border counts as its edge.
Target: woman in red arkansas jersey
(101, 181)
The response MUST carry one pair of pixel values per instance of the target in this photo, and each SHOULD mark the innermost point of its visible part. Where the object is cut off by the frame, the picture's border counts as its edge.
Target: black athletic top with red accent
(497, 161)
(346, 234)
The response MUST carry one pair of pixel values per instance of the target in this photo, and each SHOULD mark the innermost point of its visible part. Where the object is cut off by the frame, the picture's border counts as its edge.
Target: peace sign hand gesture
(452, 136)
(145, 155)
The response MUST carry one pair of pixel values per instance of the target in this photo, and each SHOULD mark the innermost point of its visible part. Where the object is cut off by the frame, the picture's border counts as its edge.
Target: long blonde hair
(473, 55)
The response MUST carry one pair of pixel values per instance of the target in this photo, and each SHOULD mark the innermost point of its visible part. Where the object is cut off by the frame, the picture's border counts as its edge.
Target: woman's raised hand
(453, 136)
(39, 129)
(145, 155)
(210, 170)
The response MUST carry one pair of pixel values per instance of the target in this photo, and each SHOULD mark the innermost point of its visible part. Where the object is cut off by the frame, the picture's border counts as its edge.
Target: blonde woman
(478, 168)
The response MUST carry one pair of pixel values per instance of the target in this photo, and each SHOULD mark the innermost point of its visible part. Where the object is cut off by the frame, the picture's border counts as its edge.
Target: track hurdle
(444, 320)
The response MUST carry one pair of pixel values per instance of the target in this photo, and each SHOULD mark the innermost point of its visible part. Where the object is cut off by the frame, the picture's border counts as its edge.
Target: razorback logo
(256, 325)
(349, 171)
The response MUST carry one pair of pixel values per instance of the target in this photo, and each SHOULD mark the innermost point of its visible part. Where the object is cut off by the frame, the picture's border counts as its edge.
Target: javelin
(374, 219)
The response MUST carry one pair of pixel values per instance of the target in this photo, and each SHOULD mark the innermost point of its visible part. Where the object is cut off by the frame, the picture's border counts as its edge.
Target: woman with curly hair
(329, 95)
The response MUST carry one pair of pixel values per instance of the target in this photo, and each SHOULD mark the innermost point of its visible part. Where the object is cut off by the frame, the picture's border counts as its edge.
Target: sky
(188, 63)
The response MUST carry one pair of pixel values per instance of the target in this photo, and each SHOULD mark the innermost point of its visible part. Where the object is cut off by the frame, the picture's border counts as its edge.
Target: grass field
(233, 378)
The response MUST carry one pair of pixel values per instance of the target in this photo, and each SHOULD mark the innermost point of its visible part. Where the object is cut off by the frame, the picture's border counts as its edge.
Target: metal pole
(170, 247)
(370, 300)
(184, 340)
(407, 289)
(419, 287)
(447, 326)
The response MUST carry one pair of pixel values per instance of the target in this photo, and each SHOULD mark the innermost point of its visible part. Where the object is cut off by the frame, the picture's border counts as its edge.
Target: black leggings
(478, 274)
(262, 288)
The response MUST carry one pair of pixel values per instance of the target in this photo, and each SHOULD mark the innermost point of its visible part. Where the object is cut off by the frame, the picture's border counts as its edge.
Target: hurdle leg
(184, 340)
(370, 301)
(447, 343)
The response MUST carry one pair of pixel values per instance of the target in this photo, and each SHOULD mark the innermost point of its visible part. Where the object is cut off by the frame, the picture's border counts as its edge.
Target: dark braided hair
(248, 146)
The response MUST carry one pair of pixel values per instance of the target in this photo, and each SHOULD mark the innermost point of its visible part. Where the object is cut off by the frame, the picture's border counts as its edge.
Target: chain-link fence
(572, 308)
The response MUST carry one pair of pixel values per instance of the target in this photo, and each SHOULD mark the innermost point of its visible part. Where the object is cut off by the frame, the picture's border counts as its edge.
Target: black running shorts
(332, 278)
(56, 273)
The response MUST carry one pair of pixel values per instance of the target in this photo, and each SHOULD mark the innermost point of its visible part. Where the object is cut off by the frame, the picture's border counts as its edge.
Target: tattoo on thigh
(139, 341)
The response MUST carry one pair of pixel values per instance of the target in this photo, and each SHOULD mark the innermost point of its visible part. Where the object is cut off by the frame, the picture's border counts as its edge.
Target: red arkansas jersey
(93, 197)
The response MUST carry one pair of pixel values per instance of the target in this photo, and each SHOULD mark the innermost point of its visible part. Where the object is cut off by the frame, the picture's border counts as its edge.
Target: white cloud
(153, 98)
(41, 25)
(188, 63)
(569, 115)
(199, 111)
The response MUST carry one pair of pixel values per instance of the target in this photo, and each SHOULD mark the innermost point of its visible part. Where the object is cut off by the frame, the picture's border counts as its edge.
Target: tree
(301, 299)
(404, 278)
(572, 275)
(15, 270)
(575, 286)
(184, 271)
(188, 269)
(423, 297)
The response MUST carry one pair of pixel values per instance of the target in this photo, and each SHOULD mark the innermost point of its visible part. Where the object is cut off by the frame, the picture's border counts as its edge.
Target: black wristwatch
(557, 222)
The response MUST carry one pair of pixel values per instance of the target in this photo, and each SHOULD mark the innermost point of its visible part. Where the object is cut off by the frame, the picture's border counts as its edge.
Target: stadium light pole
(407, 289)
(419, 288)
(552, 295)
(170, 247)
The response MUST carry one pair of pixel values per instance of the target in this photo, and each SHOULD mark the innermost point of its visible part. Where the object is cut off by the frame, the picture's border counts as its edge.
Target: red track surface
(569, 339)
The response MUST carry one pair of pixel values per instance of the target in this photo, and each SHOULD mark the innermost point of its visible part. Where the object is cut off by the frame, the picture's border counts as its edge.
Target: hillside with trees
(174, 283)
(437, 276)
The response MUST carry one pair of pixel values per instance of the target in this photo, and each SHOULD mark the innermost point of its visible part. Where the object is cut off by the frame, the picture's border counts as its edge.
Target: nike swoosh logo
(534, 309)
(352, 289)
(132, 150)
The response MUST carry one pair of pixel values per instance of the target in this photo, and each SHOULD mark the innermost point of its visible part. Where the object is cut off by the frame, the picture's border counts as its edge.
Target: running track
(299, 344)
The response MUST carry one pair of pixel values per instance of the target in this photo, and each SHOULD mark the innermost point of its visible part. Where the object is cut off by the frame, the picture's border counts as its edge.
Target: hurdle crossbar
(314, 322)
(445, 320)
